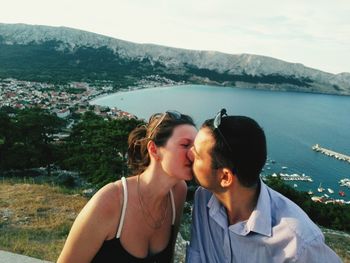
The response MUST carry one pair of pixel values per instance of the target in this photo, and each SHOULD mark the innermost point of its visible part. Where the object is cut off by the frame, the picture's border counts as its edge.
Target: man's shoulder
(285, 213)
(202, 195)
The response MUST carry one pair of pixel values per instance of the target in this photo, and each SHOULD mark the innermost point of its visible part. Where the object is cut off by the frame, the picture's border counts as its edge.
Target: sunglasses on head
(175, 115)
(216, 124)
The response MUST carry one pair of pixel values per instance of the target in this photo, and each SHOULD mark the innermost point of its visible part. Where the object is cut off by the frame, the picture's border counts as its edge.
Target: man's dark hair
(246, 153)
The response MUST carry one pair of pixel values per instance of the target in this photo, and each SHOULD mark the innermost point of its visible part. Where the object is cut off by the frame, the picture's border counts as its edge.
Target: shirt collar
(258, 222)
(217, 211)
(260, 219)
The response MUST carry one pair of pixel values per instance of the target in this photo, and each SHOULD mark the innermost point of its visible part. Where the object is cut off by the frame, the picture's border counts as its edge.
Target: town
(71, 98)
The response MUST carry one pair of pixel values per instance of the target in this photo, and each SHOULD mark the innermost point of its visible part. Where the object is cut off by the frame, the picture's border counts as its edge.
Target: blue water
(293, 123)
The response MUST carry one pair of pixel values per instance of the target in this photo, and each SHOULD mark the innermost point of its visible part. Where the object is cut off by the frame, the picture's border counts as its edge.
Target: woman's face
(174, 159)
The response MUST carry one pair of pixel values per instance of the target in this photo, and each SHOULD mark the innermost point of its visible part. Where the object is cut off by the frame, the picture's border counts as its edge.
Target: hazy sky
(315, 33)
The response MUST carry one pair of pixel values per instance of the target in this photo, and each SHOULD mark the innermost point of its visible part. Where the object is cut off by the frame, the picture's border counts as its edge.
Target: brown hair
(159, 129)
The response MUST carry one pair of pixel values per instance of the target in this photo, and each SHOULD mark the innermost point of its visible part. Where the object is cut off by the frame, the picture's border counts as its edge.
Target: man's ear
(153, 150)
(227, 177)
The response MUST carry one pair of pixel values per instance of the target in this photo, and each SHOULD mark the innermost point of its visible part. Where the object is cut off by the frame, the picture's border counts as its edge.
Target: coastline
(103, 95)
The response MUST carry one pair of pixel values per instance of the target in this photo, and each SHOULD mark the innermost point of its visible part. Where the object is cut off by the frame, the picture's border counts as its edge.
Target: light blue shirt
(276, 231)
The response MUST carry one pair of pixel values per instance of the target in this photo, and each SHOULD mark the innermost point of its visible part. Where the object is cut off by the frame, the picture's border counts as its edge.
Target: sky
(315, 33)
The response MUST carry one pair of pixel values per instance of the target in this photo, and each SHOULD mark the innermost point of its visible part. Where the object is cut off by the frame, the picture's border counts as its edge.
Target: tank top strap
(125, 203)
(173, 206)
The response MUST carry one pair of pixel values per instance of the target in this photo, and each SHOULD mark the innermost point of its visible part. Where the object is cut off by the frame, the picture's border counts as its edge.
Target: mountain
(60, 54)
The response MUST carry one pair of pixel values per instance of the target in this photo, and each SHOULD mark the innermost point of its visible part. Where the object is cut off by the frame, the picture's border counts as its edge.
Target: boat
(320, 188)
(284, 167)
(330, 190)
(310, 192)
(341, 193)
(295, 185)
(325, 195)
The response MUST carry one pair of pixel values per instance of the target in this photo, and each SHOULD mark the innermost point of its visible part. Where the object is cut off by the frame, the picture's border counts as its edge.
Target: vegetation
(53, 62)
(47, 62)
(335, 216)
(35, 219)
(96, 151)
(39, 228)
(26, 138)
(244, 77)
(95, 148)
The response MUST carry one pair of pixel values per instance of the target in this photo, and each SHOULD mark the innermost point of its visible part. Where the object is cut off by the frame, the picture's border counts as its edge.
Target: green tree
(29, 139)
(97, 148)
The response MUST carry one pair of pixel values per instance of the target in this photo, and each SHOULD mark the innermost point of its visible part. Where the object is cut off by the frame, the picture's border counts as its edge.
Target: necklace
(155, 224)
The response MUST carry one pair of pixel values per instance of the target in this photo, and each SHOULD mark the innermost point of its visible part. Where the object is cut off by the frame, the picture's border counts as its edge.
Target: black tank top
(112, 250)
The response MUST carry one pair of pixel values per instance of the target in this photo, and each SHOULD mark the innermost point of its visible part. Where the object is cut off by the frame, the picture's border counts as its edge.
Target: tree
(97, 148)
(28, 139)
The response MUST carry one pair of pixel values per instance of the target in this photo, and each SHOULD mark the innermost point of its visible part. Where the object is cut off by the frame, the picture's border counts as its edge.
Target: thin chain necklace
(156, 224)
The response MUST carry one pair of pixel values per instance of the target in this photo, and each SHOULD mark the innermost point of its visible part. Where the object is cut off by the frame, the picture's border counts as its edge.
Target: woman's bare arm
(96, 222)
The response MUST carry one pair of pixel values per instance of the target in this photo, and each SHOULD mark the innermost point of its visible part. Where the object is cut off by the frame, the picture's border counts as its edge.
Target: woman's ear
(153, 150)
(227, 177)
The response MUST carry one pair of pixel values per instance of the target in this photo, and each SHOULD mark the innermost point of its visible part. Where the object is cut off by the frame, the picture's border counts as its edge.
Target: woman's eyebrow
(185, 140)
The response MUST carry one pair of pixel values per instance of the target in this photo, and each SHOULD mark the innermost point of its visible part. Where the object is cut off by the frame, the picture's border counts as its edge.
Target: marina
(293, 177)
(345, 182)
(336, 155)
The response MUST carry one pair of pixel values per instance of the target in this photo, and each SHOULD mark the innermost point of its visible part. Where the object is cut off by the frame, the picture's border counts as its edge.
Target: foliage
(97, 148)
(335, 216)
(27, 138)
(244, 77)
(49, 62)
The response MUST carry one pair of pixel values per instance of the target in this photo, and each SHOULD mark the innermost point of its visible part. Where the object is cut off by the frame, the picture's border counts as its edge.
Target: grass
(35, 220)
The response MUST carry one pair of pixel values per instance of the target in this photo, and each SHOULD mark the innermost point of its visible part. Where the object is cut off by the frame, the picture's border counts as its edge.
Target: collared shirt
(276, 231)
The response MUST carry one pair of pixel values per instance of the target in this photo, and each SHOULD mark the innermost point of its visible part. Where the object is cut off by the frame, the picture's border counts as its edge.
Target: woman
(137, 219)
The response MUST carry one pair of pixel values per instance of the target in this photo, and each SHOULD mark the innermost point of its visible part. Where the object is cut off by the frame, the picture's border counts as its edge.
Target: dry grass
(35, 219)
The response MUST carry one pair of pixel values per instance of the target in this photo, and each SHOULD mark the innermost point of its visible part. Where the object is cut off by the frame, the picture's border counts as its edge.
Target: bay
(293, 123)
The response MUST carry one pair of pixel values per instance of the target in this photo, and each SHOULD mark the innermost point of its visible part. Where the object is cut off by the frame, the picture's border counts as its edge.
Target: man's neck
(239, 203)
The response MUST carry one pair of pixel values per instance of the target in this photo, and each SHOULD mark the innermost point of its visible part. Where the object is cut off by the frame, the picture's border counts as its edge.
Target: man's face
(199, 154)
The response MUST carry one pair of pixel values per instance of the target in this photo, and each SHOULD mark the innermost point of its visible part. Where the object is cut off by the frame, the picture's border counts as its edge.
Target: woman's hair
(159, 129)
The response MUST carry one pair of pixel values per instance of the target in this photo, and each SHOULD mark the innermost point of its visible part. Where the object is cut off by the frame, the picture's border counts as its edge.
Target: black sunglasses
(175, 115)
(216, 124)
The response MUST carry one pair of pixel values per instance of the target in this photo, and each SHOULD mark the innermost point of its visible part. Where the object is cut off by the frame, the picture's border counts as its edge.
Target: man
(236, 217)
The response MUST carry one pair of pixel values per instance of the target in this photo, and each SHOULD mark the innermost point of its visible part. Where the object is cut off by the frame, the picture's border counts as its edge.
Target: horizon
(292, 31)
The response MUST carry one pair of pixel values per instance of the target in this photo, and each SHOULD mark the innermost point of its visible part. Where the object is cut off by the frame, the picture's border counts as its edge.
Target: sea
(293, 122)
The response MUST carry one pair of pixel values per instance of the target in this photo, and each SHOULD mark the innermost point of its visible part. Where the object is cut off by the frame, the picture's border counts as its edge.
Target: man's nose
(190, 154)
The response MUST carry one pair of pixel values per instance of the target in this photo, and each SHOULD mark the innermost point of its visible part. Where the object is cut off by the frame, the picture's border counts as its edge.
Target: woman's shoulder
(107, 202)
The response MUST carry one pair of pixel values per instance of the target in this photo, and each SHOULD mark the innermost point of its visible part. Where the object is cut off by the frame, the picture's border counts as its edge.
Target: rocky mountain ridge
(243, 70)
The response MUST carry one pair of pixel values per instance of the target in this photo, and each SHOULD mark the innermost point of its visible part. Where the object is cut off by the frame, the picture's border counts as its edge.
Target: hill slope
(46, 53)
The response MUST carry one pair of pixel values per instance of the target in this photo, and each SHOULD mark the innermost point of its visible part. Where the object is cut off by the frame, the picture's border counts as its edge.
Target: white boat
(320, 188)
(325, 195)
(284, 167)
(330, 190)
(295, 185)
(310, 192)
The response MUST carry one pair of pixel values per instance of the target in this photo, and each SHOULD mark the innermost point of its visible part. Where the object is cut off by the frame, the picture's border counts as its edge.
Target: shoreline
(103, 95)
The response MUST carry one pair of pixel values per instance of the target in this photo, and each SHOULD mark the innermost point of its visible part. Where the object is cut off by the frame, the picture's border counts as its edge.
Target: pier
(293, 177)
(331, 153)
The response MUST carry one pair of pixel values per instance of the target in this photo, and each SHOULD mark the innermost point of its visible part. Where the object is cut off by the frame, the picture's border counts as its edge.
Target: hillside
(35, 220)
(59, 54)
